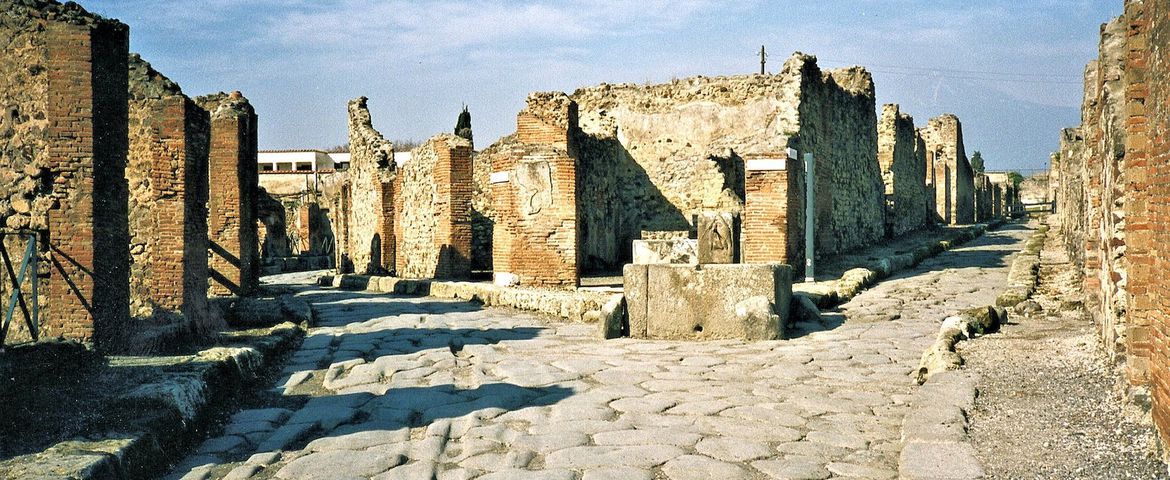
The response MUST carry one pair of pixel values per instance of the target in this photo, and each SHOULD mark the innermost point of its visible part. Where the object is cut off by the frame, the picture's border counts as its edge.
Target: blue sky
(1010, 70)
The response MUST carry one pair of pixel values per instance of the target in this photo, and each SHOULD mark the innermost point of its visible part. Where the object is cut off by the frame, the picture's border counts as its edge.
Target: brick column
(233, 236)
(88, 288)
(1139, 255)
(773, 214)
(453, 182)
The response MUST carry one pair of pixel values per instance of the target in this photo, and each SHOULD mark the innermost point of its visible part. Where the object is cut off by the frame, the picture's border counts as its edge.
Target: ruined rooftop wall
(433, 210)
(63, 87)
(169, 138)
(903, 172)
(954, 180)
(370, 237)
(233, 195)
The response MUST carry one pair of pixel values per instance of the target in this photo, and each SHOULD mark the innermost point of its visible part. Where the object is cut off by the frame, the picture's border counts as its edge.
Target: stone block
(673, 251)
(718, 237)
(749, 302)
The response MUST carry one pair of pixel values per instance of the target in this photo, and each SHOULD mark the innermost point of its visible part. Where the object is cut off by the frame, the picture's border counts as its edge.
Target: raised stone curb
(155, 420)
(1024, 272)
(573, 305)
(935, 444)
(830, 293)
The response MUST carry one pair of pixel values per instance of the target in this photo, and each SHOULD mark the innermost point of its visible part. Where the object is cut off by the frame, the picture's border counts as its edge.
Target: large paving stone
(698, 467)
(339, 465)
(644, 456)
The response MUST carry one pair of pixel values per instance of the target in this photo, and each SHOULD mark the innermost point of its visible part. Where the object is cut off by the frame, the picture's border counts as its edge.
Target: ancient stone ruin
(902, 156)
(232, 199)
(64, 135)
(954, 182)
(412, 219)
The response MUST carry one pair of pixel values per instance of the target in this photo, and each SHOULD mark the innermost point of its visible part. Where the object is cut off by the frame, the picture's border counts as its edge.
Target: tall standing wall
(954, 181)
(63, 145)
(533, 192)
(903, 173)
(367, 244)
(233, 239)
(168, 183)
(653, 157)
(433, 210)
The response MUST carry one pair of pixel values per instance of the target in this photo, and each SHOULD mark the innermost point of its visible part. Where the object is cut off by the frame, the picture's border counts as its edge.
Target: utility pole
(763, 59)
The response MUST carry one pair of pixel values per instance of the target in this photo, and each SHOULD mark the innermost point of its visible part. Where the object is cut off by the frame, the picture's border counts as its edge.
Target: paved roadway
(391, 387)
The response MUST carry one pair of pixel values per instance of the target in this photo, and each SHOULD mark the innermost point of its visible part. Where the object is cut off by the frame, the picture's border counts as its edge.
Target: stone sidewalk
(390, 387)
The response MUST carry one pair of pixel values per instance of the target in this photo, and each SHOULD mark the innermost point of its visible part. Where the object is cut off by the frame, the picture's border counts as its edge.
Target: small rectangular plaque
(764, 164)
(500, 177)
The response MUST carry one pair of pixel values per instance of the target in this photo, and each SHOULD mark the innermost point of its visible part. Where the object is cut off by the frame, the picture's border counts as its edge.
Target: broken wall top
(368, 147)
(226, 105)
(750, 114)
(54, 11)
(148, 83)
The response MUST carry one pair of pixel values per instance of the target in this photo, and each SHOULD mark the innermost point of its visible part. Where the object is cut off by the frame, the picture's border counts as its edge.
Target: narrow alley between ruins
(404, 387)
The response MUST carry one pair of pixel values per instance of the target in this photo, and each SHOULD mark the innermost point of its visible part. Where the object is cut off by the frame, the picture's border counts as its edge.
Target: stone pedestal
(703, 302)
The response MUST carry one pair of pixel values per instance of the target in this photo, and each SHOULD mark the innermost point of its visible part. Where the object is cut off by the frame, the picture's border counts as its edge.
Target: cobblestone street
(389, 387)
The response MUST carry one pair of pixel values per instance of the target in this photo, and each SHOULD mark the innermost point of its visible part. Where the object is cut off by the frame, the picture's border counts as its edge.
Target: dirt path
(1047, 406)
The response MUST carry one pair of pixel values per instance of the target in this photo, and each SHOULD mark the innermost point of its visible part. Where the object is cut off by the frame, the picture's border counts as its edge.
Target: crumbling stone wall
(169, 138)
(63, 145)
(903, 172)
(1070, 198)
(368, 242)
(654, 157)
(954, 180)
(533, 192)
(233, 239)
(433, 210)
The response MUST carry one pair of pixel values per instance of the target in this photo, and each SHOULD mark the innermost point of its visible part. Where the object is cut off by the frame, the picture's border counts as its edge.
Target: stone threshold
(153, 422)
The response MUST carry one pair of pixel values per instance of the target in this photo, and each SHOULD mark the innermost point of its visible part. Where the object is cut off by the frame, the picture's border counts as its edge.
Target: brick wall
(168, 182)
(369, 239)
(433, 210)
(1113, 198)
(533, 199)
(233, 239)
(773, 213)
(63, 85)
(1148, 218)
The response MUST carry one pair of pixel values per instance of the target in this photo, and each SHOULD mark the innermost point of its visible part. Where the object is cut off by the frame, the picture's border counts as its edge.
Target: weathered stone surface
(709, 301)
(676, 251)
(718, 237)
(432, 210)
